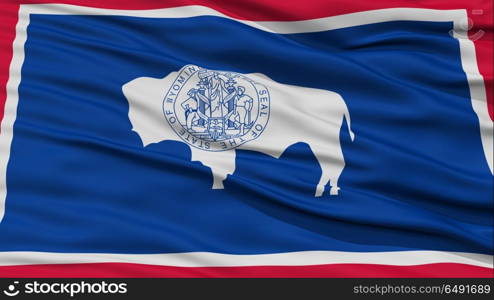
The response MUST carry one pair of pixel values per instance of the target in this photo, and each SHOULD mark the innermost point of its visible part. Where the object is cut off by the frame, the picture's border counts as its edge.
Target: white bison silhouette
(297, 114)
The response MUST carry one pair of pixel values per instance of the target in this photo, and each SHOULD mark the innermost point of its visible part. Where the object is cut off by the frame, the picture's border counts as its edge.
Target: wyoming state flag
(246, 138)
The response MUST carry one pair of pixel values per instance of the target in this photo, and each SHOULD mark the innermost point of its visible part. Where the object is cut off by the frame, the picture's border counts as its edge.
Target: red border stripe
(125, 270)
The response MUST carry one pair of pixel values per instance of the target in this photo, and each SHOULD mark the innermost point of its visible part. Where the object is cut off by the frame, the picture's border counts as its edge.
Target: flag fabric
(246, 139)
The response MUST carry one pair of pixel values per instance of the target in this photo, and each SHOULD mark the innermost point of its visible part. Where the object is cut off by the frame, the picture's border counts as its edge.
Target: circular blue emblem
(216, 110)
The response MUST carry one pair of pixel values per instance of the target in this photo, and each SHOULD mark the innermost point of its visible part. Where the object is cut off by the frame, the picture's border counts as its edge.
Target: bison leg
(221, 168)
(332, 163)
(325, 176)
(322, 183)
(222, 163)
(334, 189)
(333, 181)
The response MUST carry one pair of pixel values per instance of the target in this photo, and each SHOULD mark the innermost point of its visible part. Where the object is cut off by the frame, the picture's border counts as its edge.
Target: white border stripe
(209, 259)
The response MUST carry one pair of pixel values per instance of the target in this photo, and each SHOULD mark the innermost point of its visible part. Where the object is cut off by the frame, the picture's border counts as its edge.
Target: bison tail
(348, 123)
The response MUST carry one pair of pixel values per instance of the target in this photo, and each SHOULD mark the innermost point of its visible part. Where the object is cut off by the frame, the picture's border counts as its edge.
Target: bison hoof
(334, 191)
